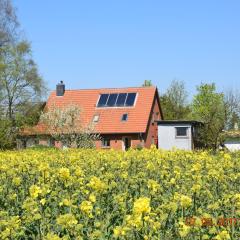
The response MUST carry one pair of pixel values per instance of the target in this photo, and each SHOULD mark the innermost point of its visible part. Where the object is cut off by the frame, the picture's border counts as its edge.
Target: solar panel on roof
(103, 100)
(112, 99)
(130, 99)
(117, 100)
(121, 99)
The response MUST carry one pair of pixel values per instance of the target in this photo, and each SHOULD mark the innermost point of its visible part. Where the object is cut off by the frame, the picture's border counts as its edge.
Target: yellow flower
(223, 235)
(185, 201)
(67, 220)
(43, 201)
(183, 229)
(79, 172)
(141, 205)
(96, 184)
(237, 199)
(196, 187)
(92, 198)
(172, 181)
(153, 185)
(118, 231)
(134, 220)
(86, 207)
(64, 173)
(197, 167)
(227, 156)
(52, 236)
(65, 202)
(17, 181)
(205, 237)
(35, 191)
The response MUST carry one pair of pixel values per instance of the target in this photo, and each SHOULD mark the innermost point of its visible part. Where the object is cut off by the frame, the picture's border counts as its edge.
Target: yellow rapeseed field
(149, 194)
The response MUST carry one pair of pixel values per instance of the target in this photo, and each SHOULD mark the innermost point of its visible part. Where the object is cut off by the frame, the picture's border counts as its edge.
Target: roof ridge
(87, 89)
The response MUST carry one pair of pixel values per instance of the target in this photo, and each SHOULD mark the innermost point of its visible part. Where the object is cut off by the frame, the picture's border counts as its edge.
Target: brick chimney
(60, 89)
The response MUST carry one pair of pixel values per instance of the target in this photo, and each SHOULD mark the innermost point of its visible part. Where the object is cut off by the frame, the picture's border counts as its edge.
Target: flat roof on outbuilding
(163, 122)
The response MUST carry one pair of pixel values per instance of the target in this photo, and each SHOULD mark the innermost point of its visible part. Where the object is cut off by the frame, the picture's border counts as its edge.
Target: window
(182, 132)
(105, 142)
(116, 100)
(125, 117)
(95, 118)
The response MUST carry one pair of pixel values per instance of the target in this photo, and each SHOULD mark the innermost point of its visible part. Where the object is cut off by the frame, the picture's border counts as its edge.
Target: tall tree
(232, 109)
(174, 101)
(8, 23)
(19, 79)
(20, 83)
(208, 107)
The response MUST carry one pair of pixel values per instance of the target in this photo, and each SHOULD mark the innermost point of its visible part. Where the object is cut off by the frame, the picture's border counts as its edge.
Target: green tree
(19, 79)
(147, 83)
(20, 84)
(174, 102)
(232, 109)
(208, 107)
(20, 87)
(7, 137)
(8, 23)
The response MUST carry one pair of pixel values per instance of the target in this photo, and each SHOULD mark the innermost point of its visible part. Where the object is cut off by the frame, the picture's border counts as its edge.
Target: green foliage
(7, 135)
(29, 115)
(139, 146)
(20, 83)
(174, 102)
(9, 26)
(19, 79)
(147, 83)
(232, 109)
(208, 107)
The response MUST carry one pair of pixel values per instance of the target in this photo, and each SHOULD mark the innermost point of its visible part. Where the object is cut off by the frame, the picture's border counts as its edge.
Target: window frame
(182, 136)
(103, 141)
(94, 116)
(124, 114)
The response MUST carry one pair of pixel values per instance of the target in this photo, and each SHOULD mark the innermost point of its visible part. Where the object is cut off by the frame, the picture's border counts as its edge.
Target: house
(232, 140)
(124, 117)
(177, 134)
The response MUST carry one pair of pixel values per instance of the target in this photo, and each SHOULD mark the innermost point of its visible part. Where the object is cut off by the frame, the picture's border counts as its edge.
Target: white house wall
(167, 137)
(232, 145)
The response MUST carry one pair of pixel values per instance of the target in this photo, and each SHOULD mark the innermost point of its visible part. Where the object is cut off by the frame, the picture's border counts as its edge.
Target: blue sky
(93, 44)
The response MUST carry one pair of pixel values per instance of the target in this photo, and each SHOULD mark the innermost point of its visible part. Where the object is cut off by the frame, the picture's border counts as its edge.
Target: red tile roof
(109, 118)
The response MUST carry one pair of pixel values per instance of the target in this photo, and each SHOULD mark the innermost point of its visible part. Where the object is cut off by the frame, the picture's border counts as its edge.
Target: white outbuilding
(232, 140)
(177, 134)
